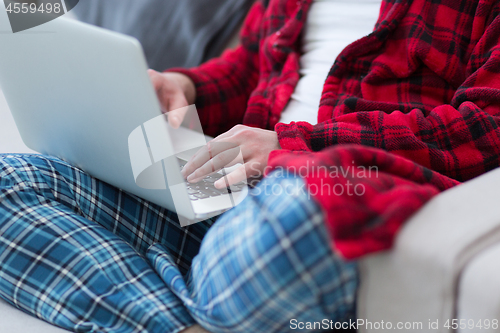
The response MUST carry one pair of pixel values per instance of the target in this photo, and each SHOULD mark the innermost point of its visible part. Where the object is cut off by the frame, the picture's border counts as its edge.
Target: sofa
(443, 265)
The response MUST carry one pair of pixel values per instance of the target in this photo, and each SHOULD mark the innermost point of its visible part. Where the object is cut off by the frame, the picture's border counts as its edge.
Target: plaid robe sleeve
(224, 84)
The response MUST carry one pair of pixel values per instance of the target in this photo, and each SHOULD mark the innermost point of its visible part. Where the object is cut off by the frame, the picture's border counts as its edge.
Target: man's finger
(215, 164)
(158, 82)
(156, 79)
(204, 154)
(176, 115)
(171, 98)
(240, 174)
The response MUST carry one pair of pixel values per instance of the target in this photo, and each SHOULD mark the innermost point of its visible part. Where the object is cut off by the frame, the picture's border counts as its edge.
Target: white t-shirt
(331, 25)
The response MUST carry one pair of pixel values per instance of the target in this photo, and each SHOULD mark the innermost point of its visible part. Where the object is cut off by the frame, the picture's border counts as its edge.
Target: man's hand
(174, 91)
(254, 144)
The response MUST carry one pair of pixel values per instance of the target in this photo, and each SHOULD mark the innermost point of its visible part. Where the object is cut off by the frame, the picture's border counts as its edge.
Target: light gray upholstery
(419, 278)
(479, 292)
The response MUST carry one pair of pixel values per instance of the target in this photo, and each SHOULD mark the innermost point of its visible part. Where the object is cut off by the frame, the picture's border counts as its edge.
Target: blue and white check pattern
(86, 256)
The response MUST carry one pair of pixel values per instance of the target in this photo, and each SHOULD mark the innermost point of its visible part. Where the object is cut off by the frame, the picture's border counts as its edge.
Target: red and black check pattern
(421, 92)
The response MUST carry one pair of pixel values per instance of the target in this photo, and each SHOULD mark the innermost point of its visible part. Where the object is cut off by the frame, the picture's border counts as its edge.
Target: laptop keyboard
(205, 188)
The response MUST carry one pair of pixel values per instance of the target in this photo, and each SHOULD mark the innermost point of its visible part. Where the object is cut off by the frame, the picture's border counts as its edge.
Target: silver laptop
(82, 94)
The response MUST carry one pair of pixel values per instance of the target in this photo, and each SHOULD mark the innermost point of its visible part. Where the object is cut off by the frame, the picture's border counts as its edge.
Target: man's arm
(418, 154)
(223, 85)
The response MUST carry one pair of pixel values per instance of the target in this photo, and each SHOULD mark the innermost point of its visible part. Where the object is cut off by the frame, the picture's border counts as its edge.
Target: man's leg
(266, 266)
(57, 263)
(267, 262)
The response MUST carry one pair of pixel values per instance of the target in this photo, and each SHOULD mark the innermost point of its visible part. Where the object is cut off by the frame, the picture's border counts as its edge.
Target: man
(417, 100)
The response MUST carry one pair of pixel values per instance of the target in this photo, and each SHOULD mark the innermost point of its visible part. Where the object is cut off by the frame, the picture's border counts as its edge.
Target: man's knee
(263, 264)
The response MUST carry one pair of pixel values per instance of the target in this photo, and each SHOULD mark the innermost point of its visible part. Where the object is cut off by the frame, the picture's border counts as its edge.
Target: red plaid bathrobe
(419, 99)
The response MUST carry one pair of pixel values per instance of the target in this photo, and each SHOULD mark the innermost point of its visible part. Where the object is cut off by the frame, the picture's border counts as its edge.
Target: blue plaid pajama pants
(88, 257)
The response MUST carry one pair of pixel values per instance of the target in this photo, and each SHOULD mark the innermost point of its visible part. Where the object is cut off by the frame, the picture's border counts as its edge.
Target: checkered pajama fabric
(86, 256)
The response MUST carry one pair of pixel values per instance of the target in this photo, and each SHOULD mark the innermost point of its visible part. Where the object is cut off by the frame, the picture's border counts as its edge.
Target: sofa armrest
(478, 303)
(418, 280)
